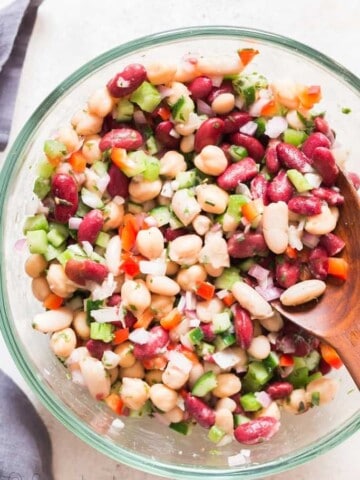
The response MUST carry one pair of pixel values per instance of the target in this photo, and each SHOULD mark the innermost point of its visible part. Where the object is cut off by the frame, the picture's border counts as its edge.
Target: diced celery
(100, 168)
(227, 279)
(299, 377)
(216, 434)
(240, 419)
(136, 163)
(312, 360)
(204, 384)
(151, 145)
(96, 257)
(146, 96)
(45, 169)
(152, 169)
(247, 84)
(205, 349)
(161, 215)
(53, 252)
(250, 403)
(37, 241)
(65, 256)
(102, 239)
(224, 341)
(36, 222)
(181, 427)
(237, 153)
(101, 331)
(82, 209)
(54, 149)
(174, 222)
(256, 376)
(124, 110)
(57, 234)
(234, 205)
(299, 181)
(314, 376)
(294, 137)
(186, 179)
(182, 109)
(196, 335)
(41, 187)
(221, 322)
(271, 361)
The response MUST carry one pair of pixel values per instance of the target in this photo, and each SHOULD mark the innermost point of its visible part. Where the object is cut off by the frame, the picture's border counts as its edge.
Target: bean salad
(175, 206)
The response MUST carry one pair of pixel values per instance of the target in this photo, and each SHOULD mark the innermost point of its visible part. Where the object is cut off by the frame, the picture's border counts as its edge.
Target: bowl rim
(61, 411)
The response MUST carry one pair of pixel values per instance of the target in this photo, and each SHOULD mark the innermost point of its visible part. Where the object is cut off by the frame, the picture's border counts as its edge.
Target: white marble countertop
(70, 32)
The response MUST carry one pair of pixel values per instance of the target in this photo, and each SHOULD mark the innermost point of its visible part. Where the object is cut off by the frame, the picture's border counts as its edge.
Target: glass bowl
(144, 443)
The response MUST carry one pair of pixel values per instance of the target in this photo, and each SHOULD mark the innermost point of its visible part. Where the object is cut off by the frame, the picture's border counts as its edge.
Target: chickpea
(40, 288)
(81, 326)
(188, 278)
(172, 163)
(175, 415)
(259, 347)
(227, 403)
(145, 190)
(224, 420)
(186, 72)
(69, 138)
(162, 285)
(153, 376)
(160, 72)
(178, 90)
(63, 342)
(185, 206)
(271, 411)
(135, 371)
(101, 102)
(134, 392)
(229, 223)
(195, 373)
(201, 224)
(150, 243)
(161, 305)
(187, 143)
(207, 309)
(163, 397)
(212, 271)
(227, 385)
(211, 198)
(86, 123)
(173, 377)
(296, 402)
(223, 103)
(185, 250)
(113, 216)
(58, 282)
(91, 150)
(172, 268)
(272, 324)
(211, 160)
(135, 296)
(35, 265)
(325, 387)
(188, 127)
(125, 352)
(212, 367)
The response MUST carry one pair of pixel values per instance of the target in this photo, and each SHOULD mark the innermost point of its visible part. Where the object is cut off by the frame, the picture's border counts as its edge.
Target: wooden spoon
(335, 316)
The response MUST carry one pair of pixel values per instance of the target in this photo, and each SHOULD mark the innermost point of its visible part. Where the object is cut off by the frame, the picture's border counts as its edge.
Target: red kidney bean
(200, 411)
(114, 300)
(314, 140)
(279, 390)
(200, 87)
(258, 187)
(318, 263)
(287, 273)
(324, 162)
(163, 135)
(244, 327)
(280, 188)
(129, 319)
(331, 197)
(97, 348)
(126, 81)
(253, 145)
(321, 125)
(81, 271)
(90, 226)
(126, 138)
(208, 331)
(172, 233)
(119, 182)
(236, 173)
(293, 344)
(332, 244)
(355, 179)
(65, 194)
(285, 344)
(159, 338)
(235, 120)
(209, 133)
(305, 205)
(256, 431)
(243, 245)
(324, 367)
(271, 158)
(225, 87)
(291, 157)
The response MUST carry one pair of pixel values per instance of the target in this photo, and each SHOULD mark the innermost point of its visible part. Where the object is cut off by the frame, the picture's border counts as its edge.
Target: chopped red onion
(310, 240)
(74, 223)
(225, 359)
(139, 117)
(243, 189)
(108, 314)
(204, 108)
(275, 126)
(150, 221)
(179, 360)
(77, 377)
(216, 80)
(182, 303)
(164, 92)
(314, 179)
(190, 314)
(42, 209)
(249, 128)
(185, 341)
(269, 294)
(20, 245)
(239, 459)
(105, 290)
(222, 294)
(285, 371)
(167, 190)
(225, 440)
(110, 359)
(259, 272)
(88, 248)
(194, 322)
(103, 182)
(140, 336)
(190, 300)
(152, 267)
(173, 133)
(257, 106)
(263, 398)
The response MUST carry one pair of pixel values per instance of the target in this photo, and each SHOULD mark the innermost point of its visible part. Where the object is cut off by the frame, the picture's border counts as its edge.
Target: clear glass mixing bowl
(146, 444)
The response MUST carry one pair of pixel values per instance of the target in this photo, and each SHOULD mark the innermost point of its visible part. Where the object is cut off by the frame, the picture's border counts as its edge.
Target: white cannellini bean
(271, 411)
(63, 342)
(215, 251)
(259, 347)
(224, 420)
(81, 325)
(324, 222)
(185, 206)
(223, 103)
(185, 250)
(134, 392)
(211, 198)
(275, 226)
(220, 65)
(110, 359)
(326, 387)
(163, 397)
(53, 320)
(211, 160)
(227, 403)
(150, 243)
(303, 292)
(113, 254)
(162, 285)
(135, 296)
(274, 323)
(58, 282)
(96, 378)
(207, 309)
(250, 299)
(296, 402)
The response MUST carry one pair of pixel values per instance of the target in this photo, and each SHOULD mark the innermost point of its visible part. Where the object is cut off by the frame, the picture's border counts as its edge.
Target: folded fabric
(25, 445)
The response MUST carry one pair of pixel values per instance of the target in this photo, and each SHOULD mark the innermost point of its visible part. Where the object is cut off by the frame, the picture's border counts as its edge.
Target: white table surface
(70, 32)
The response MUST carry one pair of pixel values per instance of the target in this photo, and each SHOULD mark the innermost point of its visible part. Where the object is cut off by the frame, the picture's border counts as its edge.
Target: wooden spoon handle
(347, 345)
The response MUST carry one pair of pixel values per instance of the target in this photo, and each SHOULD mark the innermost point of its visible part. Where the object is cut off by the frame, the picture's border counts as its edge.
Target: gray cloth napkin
(16, 24)
(25, 446)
